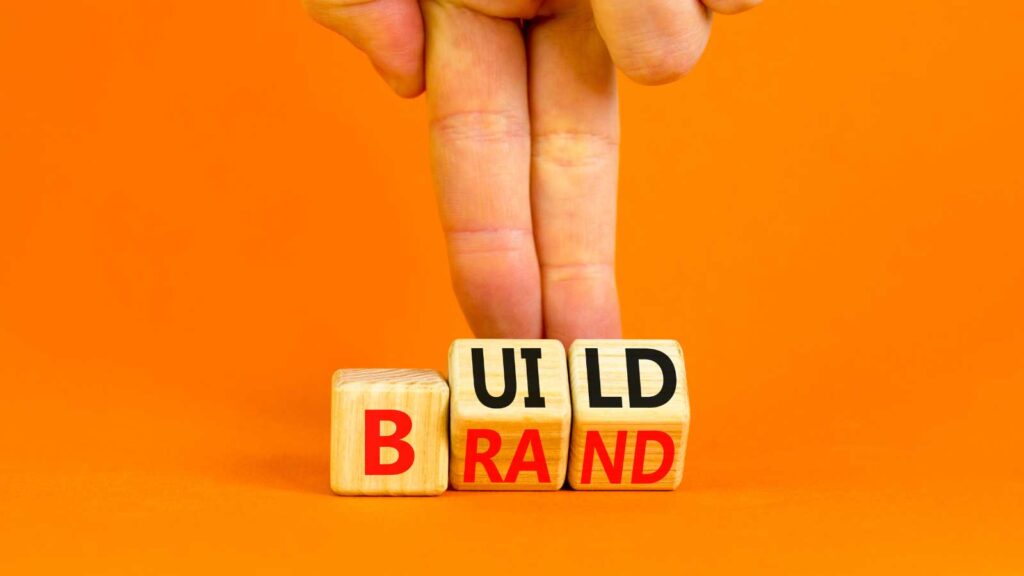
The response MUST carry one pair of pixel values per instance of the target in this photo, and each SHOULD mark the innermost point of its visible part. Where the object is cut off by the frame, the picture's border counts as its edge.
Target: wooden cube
(389, 432)
(631, 414)
(510, 414)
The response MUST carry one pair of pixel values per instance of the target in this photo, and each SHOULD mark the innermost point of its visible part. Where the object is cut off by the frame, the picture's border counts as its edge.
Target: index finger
(480, 150)
(574, 113)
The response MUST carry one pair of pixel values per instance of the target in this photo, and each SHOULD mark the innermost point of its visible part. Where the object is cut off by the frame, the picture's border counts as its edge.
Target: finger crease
(564, 272)
(463, 241)
(480, 126)
(574, 148)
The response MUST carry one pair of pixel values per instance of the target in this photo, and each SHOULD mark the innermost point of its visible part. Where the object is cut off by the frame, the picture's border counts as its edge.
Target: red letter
(374, 442)
(595, 444)
(531, 439)
(473, 456)
(668, 455)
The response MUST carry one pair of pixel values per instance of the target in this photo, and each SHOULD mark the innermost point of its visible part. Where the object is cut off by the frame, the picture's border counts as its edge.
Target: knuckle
(579, 271)
(480, 126)
(470, 240)
(574, 149)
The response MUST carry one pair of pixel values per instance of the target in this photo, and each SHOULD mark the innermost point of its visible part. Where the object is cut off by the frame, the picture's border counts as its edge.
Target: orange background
(206, 207)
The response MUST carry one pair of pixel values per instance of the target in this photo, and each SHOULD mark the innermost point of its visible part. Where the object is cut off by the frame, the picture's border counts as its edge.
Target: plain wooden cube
(621, 437)
(513, 439)
(379, 418)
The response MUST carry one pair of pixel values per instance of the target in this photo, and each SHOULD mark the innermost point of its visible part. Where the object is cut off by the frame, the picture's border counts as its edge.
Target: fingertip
(656, 42)
(670, 60)
(404, 85)
(581, 302)
(389, 32)
(409, 89)
(731, 7)
(657, 73)
(498, 301)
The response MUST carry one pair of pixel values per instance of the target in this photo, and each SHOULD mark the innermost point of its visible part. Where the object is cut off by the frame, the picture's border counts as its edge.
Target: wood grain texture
(423, 395)
(671, 418)
(551, 422)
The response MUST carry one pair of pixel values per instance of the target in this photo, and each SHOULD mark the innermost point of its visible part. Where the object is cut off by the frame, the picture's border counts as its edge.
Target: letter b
(375, 441)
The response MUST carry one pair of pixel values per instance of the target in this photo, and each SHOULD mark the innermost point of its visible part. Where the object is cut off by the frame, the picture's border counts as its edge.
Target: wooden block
(510, 414)
(631, 414)
(389, 432)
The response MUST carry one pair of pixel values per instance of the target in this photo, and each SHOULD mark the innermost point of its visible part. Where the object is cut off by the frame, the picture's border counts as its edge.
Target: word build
(517, 415)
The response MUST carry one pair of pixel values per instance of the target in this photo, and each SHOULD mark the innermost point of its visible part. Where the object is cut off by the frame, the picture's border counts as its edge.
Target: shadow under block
(631, 414)
(389, 432)
(510, 414)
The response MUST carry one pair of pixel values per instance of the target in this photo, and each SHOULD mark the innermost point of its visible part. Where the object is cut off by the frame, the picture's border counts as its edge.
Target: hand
(525, 137)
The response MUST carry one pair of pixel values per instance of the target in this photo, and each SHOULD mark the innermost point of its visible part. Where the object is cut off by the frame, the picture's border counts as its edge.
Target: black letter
(594, 384)
(668, 371)
(480, 380)
(533, 398)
